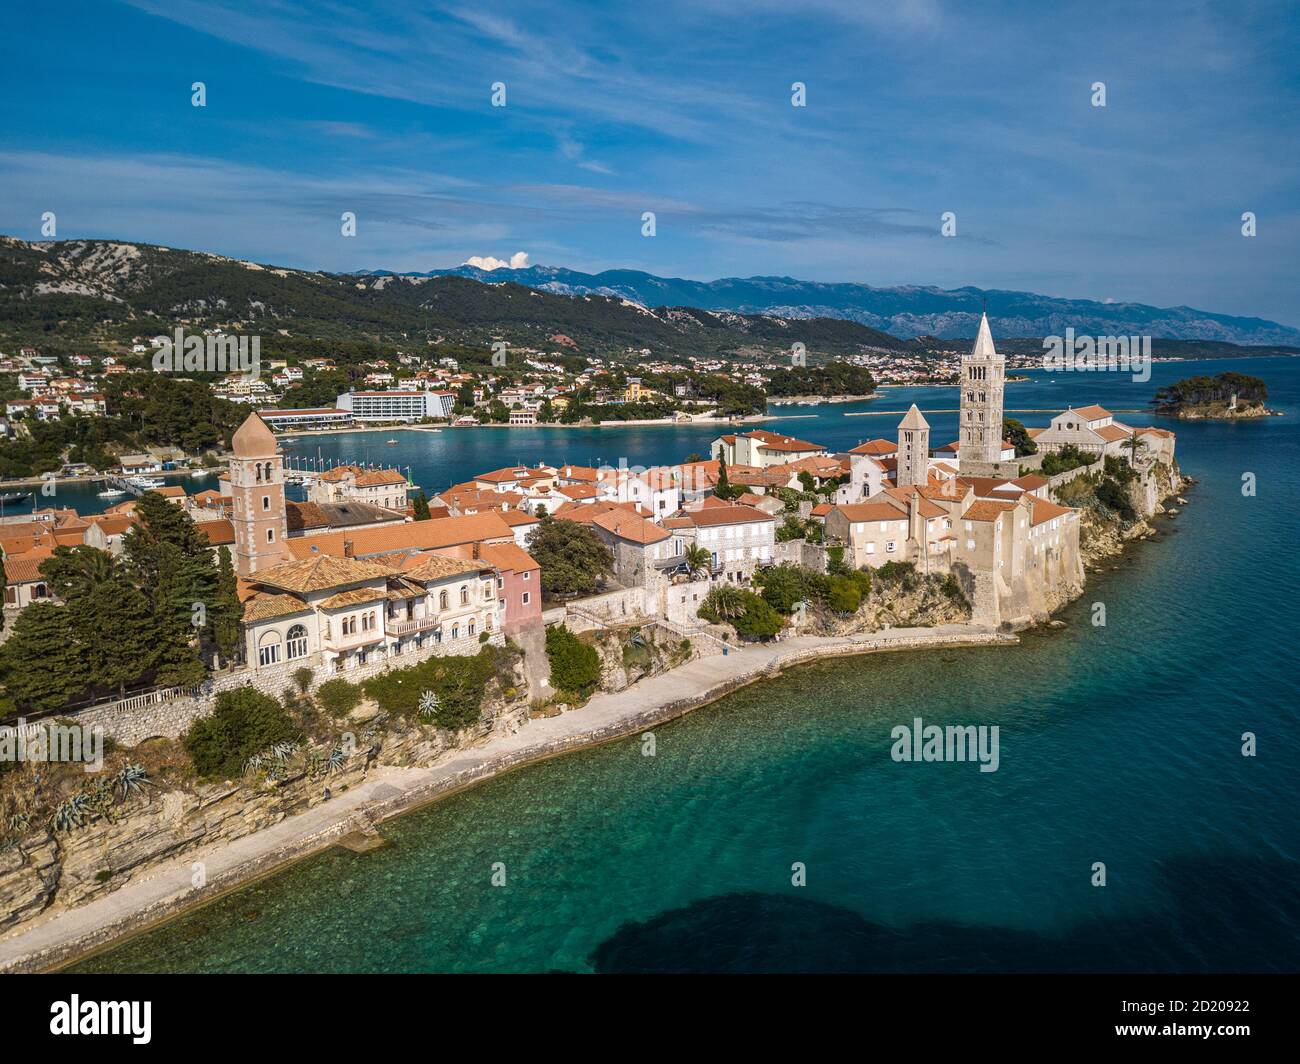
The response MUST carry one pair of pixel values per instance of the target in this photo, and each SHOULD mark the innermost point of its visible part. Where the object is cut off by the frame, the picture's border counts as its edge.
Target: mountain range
(62, 295)
(904, 311)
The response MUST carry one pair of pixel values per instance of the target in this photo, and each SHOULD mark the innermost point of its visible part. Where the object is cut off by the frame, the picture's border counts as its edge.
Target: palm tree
(698, 560)
(727, 602)
(1134, 443)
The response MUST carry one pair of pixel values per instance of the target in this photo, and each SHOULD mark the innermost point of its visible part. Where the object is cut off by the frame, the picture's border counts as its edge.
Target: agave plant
(132, 780)
(254, 763)
(71, 814)
(336, 760)
(636, 640)
(282, 751)
(428, 707)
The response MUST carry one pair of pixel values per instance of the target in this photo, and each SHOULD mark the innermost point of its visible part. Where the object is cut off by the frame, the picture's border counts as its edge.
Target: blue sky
(681, 108)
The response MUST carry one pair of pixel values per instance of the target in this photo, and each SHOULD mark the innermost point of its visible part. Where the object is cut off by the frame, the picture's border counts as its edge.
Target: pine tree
(115, 634)
(39, 663)
(228, 612)
(420, 504)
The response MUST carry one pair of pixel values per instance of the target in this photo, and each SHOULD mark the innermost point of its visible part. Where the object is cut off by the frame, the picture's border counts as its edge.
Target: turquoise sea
(1119, 744)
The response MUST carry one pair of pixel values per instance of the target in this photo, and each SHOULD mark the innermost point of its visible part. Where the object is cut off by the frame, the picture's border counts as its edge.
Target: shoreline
(54, 940)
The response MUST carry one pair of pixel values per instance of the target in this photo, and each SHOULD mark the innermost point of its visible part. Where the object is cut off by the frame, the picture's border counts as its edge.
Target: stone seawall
(387, 792)
(129, 726)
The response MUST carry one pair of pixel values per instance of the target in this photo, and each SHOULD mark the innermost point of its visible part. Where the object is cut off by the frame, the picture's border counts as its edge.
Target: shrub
(575, 666)
(951, 587)
(338, 697)
(244, 722)
(784, 585)
(303, 678)
(1114, 497)
(747, 613)
(458, 681)
(845, 594)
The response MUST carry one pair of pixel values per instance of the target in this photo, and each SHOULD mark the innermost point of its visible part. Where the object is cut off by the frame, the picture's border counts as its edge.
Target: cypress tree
(39, 663)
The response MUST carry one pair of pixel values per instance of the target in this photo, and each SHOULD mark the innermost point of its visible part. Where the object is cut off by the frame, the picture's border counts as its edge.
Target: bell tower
(913, 448)
(257, 492)
(983, 377)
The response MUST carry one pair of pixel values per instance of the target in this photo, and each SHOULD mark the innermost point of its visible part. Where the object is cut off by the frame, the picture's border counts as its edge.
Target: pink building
(519, 584)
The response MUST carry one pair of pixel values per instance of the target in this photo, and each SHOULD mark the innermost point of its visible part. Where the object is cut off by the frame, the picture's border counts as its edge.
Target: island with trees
(1226, 396)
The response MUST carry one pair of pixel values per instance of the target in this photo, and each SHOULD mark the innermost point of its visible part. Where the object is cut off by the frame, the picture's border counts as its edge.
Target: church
(1014, 551)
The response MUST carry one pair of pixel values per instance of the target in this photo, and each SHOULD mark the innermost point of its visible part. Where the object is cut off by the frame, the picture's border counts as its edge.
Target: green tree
(1018, 435)
(698, 560)
(575, 666)
(573, 559)
(420, 504)
(115, 634)
(39, 663)
(244, 722)
(72, 573)
(228, 611)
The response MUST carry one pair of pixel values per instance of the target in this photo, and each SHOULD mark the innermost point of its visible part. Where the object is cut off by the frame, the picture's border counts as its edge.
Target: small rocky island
(1225, 397)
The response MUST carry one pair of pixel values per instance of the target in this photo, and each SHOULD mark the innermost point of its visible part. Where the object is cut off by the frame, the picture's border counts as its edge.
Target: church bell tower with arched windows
(983, 378)
(257, 492)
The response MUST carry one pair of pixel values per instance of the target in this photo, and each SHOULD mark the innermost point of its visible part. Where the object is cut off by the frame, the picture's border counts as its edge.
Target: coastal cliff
(64, 864)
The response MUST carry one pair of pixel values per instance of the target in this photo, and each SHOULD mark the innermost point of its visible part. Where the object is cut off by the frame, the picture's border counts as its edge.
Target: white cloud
(517, 261)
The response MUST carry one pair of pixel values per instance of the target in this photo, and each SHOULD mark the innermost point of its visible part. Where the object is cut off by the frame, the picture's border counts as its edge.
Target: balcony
(415, 624)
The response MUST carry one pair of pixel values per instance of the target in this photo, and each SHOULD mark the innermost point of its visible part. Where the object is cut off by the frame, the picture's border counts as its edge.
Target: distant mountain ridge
(905, 311)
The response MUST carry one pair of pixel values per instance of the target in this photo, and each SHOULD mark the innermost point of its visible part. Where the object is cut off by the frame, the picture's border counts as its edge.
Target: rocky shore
(249, 835)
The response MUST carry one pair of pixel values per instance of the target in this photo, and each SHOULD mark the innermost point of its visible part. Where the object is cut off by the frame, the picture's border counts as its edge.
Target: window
(455, 631)
(891, 545)
(270, 535)
(527, 597)
(528, 576)
(296, 642)
(442, 600)
(464, 595)
(871, 548)
(470, 628)
(266, 502)
(268, 649)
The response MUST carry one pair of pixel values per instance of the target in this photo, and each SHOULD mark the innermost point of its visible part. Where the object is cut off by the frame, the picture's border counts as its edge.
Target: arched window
(471, 627)
(258, 467)
(266, 502)
(268, 648)
(268, 472)
(464, 595)
(365, 622)
(455, 631)
(296, 642)
(442, 600)
(374, 621)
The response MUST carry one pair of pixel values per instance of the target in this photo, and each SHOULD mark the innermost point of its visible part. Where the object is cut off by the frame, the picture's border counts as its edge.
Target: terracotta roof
(356, 597)
(1091, 413)
(320, 573)
(427, 568)
(880, 510)
(170, 491)
(728, 515)
(630, 527)
(1044, 510)
(1031, 481)
(875, 448)
(986, 510)
(515, 518)
(1155, 432)
(412, 535)
(1111, 433)
(508, 556)
(821, 509)
(264, 605)
(220, 533)
(26, 569)
(378, 477)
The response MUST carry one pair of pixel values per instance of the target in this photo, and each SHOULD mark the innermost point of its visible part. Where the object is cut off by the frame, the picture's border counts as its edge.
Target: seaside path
(166, 890)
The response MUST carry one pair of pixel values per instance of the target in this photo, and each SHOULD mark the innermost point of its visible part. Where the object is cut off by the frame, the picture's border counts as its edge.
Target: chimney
(475, 550)
(348, 550)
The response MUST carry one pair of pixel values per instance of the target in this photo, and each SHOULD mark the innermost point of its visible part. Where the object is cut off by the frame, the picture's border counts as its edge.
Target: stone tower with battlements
(983, 377)
(257, 494)
(913, 448)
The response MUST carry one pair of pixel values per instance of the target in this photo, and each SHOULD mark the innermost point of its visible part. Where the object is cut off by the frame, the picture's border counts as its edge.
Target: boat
(196, 473)
(14, 496)
(147, 483)
(390, 441)
(110, 493)
(288, 439)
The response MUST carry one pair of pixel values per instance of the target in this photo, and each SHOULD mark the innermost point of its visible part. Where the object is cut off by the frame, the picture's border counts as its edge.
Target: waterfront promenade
(156, 895)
